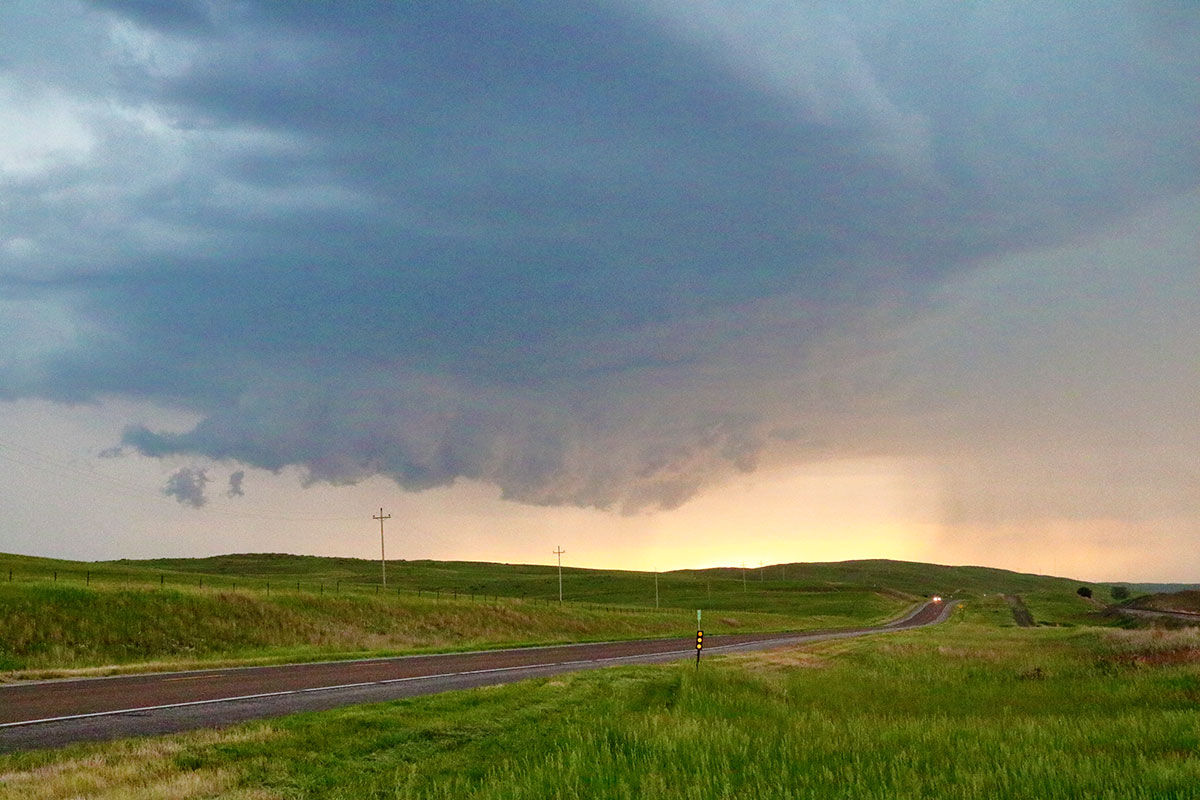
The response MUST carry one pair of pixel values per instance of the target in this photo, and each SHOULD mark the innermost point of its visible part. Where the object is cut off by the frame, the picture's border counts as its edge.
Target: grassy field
(771, 588)
(975, 708)
(55, 630)
(61, 618)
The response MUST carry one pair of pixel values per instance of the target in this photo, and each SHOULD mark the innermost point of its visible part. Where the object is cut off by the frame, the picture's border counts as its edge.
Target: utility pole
(382, 560)
(559, 552)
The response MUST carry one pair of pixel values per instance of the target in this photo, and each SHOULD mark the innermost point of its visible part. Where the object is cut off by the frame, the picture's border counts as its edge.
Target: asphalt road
(1186, 616)
(55, 713)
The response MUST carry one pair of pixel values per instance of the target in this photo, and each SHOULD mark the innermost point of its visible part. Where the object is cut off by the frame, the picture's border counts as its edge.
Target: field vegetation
(973, 708)
(61, 618)
(53, 630)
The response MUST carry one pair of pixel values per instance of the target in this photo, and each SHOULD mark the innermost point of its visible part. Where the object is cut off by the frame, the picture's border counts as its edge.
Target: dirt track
(1020, 613)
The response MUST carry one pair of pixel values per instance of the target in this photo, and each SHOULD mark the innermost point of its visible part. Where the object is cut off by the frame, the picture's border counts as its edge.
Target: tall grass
(772, 588)
(961, 711)
(46, 627)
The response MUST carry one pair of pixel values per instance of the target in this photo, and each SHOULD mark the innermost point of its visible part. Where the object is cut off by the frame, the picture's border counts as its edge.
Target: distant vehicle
(937, 598)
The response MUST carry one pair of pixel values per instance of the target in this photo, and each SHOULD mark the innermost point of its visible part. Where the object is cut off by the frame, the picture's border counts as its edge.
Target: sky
(667, 284)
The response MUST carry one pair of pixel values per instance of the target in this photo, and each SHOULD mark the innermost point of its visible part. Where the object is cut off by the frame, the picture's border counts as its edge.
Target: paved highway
(54, 713)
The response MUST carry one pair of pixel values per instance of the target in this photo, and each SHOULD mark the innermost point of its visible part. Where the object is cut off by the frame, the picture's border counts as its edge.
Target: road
(1187, 616)
(54, 713)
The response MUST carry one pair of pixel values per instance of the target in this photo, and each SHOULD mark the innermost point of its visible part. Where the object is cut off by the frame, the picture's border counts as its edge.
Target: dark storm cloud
(510, 241)
(180, 16)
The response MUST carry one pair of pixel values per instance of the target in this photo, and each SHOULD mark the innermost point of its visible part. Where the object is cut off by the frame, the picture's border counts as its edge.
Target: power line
(382, 559)
(559, 552)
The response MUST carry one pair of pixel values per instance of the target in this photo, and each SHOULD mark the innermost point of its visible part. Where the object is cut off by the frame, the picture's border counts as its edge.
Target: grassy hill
(58, 616)
(768, 588)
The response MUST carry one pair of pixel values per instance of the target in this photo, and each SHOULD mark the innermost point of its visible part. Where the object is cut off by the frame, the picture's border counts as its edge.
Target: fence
(113, 579)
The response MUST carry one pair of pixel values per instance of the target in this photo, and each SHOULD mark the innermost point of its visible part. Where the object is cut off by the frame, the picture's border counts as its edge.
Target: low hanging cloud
(605, 254)
(187, 486)
(235, 484)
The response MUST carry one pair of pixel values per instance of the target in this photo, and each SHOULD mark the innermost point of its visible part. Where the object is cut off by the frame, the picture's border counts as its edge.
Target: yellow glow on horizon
(1100, 550)
(832, 511)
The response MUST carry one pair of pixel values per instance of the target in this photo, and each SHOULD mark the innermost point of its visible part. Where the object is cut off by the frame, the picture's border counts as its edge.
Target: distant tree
(1120, 593)
(1083, 591)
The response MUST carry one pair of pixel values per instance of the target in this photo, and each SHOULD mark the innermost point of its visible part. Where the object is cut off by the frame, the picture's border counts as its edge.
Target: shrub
(1083, 591)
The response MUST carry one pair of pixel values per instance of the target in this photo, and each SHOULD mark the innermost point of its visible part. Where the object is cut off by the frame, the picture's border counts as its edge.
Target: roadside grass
(1064, 608)
(55, 629)
(60, 618)
(968, 709)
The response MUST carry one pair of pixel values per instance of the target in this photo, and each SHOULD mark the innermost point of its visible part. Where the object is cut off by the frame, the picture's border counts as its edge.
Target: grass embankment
(61, 617)
(48, 629)
(969, 709)
(1064, 608)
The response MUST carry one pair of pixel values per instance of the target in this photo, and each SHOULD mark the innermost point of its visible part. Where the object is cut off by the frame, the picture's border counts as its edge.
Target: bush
(1120, 593)
(1083, 591)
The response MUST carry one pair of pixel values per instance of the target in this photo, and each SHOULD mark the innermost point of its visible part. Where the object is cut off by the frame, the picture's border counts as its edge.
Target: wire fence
(318, 587)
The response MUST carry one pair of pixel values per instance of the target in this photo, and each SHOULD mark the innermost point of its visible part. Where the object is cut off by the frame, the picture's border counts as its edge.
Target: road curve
(1151, 613)
(55, 713)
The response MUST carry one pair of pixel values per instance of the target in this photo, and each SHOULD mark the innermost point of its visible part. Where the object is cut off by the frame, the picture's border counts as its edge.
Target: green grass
(46, 628)
(969, 709)
(726, 587)
(774, 588)
(1063, 608)
(62, 616)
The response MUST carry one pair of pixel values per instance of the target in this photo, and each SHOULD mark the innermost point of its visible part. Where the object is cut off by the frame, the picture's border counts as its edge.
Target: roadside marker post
(699, 638)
